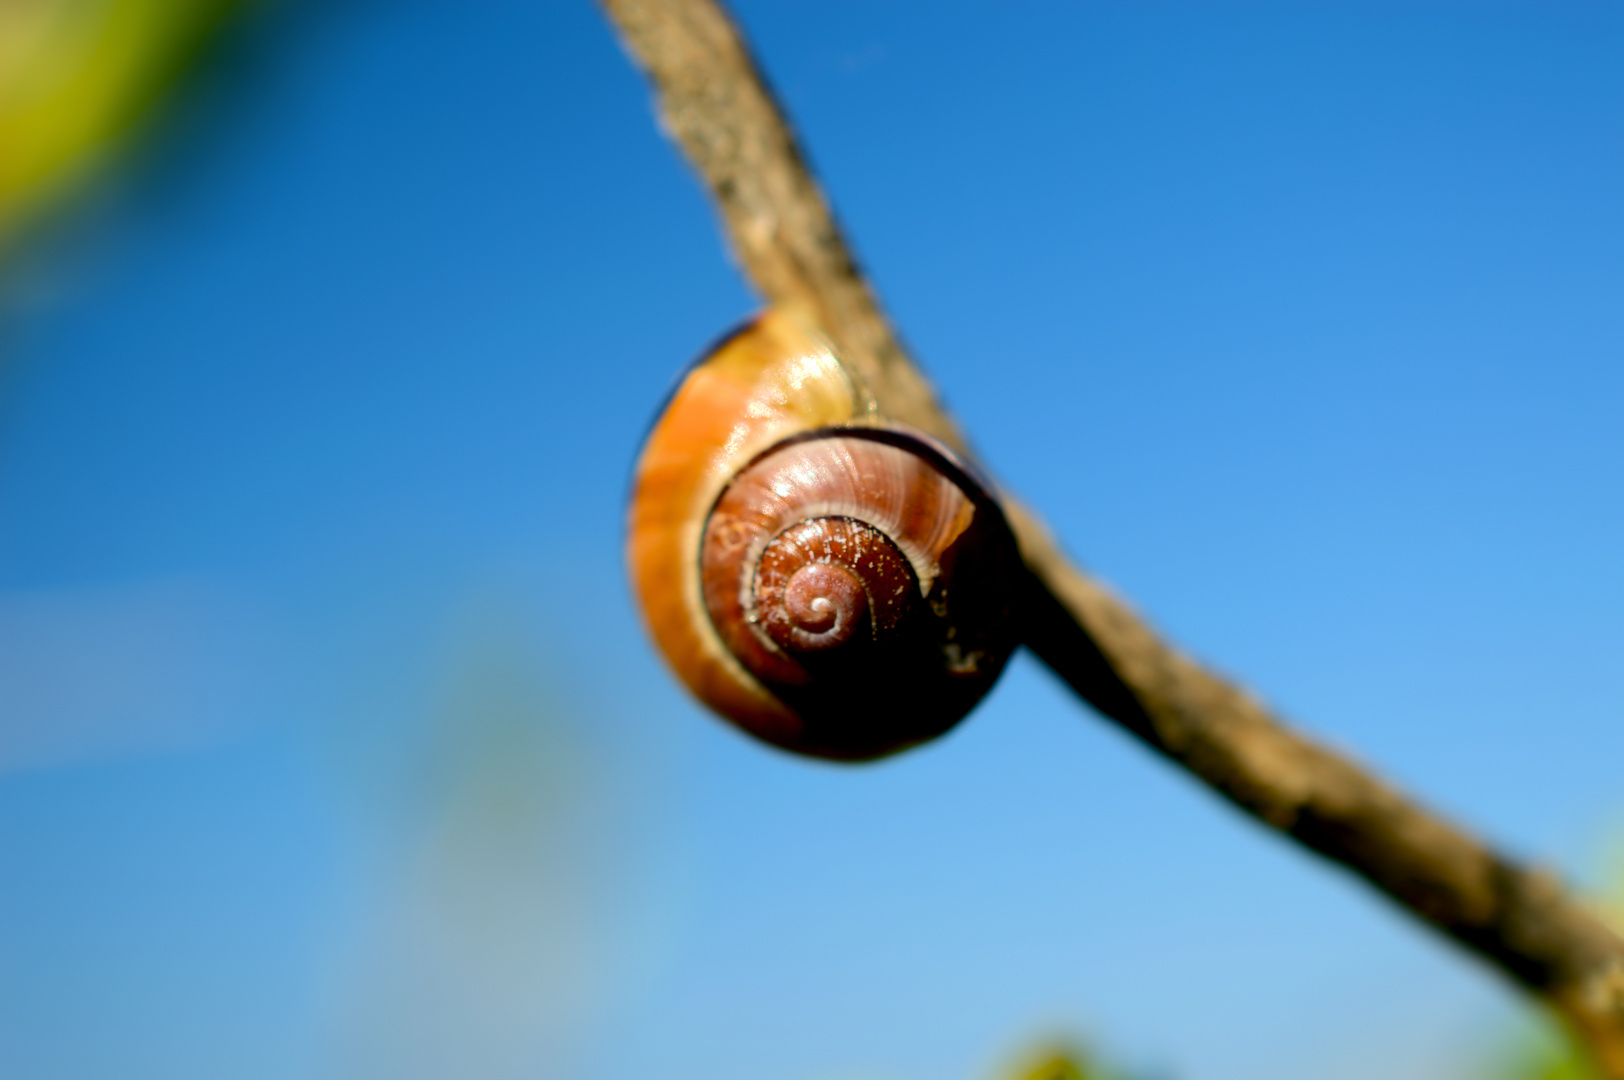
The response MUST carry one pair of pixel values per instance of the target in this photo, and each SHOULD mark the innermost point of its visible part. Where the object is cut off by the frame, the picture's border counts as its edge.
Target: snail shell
(829, 582)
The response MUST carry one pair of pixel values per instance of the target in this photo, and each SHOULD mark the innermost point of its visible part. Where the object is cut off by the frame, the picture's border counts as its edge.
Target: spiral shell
(829, 582)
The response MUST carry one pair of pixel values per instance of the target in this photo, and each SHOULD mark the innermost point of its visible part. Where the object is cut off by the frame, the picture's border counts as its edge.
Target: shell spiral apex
(831, 583)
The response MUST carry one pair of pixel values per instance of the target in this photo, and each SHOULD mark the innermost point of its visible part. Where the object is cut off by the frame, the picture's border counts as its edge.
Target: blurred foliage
(79, 79)
(1062, 1062)
(1055, 1066)
(493, 939)
(1556, 1062)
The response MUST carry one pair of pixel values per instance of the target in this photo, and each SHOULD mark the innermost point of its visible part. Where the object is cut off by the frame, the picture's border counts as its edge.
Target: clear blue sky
(330, 746)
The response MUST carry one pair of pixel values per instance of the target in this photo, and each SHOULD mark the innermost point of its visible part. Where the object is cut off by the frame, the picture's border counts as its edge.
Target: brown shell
(769, 482)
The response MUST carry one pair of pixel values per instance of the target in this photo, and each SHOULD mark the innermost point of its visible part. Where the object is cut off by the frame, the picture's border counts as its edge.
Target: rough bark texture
(716, 105)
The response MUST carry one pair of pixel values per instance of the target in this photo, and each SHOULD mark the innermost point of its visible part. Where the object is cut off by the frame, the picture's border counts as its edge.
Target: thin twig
(716, 105)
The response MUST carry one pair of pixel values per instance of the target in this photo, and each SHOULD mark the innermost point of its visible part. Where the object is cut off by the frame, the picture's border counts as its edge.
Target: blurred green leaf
(1062, 1062)
(1059, 1066)
(78, 79)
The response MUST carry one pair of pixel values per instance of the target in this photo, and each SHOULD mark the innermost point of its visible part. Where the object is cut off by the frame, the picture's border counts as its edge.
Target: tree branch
(715, 104)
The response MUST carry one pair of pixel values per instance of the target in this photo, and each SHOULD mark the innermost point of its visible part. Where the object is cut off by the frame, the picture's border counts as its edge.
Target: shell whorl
(823, 565)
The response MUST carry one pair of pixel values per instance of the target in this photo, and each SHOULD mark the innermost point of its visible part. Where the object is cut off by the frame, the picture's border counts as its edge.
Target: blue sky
(330, 745)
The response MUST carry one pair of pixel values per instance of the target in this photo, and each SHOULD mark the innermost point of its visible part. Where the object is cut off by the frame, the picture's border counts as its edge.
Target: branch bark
(716, 105)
